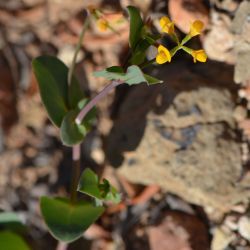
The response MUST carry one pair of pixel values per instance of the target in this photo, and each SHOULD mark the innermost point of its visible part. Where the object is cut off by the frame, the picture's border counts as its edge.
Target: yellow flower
(196, 28)
(166, 25)
(163, 55)
(102, 24)
(199, 55)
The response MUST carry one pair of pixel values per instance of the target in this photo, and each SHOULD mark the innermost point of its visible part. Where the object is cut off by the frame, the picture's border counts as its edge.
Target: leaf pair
(67, 221)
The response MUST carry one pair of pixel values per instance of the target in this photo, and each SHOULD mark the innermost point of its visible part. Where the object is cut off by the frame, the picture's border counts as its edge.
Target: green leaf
(89, 184)
(109, 192)
(139, 54)
(115, 69)
(11, 221)
(152, 38)
(9, 217)
(113, 196)
(75, 94)
(136, 26)
(133, 76)
(109, 75)
(67, 221)
(12, 241)
(70, 132)
(52, 74)
(152, 80)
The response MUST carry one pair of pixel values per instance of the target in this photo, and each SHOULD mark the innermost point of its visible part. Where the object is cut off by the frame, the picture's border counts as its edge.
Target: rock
(241, 29)
(231, 222)
(66, 54)
(244, 227)
(219, 41)
(183, 136)
(180, 231)
(221, 239)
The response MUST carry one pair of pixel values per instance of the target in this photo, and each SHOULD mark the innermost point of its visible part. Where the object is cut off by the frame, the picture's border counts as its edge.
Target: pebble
(244, 227)
(221, 239)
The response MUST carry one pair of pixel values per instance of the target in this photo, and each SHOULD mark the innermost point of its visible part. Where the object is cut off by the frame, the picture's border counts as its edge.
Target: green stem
(78, 47)
(146, 64)
(186, 39)
(174, 50)
(175, 38)
(188, 50)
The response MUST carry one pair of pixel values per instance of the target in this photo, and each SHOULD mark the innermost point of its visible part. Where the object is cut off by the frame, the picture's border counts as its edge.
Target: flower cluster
(167, 26)
(105, 21)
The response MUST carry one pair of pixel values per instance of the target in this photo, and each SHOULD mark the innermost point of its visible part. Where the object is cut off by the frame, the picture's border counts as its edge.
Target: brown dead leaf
(180, 231)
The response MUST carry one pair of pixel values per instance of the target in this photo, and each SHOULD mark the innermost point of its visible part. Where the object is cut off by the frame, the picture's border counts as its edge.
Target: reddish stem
(95, 100)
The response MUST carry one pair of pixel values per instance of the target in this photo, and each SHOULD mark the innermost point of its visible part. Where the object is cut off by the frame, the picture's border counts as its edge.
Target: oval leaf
(67, 221)
(70, 132)
(136, 25)
(75, 94)
(51, 75)
(12, 241)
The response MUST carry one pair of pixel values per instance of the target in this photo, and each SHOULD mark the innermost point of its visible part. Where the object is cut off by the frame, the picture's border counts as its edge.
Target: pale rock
(244, 227)
(66, 54)
(219, 41)
(221, 239)
(182, 135)
(241, 29)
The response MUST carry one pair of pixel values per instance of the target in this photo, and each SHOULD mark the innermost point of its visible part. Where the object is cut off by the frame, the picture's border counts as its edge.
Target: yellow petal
(199, 55)
(161, 58)
(102, 25)
(196, 28)
(163, 55)
(164, 21)
(166, 25)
